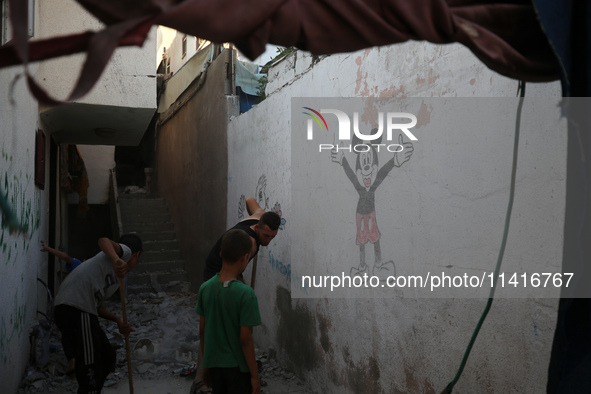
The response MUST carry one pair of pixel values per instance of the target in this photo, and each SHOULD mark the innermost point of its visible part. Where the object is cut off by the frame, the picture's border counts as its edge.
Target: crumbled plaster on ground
(164, 350)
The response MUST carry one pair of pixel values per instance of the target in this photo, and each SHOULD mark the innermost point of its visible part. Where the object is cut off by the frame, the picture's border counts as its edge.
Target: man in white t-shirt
(78, 304)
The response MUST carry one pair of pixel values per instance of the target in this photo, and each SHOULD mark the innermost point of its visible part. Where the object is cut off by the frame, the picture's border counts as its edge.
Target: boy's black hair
(271, 220)
(235, 244)
(132, 241)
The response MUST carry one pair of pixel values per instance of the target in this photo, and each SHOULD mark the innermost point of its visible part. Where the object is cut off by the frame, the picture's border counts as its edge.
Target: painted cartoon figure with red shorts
(366, 180)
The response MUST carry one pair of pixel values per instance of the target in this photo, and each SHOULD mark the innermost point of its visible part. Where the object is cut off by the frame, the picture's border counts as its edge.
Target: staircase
(161, 266)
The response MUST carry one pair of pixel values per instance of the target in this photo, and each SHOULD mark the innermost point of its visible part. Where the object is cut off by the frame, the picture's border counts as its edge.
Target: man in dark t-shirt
(260, 225)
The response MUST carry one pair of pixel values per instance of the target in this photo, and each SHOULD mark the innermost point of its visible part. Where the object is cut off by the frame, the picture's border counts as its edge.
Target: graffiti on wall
(277, 210)
(12, 326)
(242, 207)
(262, 198)
(366, 178)
(9, 219)
(286, 271)
(21, 213)
(242, 212)
(9, 199)
(20, 218)
(261, 192)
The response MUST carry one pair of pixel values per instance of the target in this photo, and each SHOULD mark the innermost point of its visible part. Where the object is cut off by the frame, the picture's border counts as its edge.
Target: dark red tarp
(505, 36)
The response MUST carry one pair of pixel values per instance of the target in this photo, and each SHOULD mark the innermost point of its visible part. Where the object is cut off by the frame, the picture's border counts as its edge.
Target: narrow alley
(163, 351)
(420, 159)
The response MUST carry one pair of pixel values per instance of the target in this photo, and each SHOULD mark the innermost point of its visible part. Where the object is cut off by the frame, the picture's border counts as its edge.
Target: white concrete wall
(21, 262)
(129, 78)
(99, 159)
(404, 344)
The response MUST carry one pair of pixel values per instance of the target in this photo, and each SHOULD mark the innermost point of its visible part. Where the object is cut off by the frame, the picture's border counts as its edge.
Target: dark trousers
(230, 381)
(83, 338)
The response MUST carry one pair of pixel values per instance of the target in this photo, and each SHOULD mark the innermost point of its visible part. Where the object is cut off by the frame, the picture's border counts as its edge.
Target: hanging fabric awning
(505, 36)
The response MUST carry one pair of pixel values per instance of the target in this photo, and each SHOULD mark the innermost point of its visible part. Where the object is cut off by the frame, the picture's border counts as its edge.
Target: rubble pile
(270, 368)
(164, 345)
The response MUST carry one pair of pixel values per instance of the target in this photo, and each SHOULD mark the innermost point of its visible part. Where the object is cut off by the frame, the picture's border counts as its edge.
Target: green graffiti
(29, 210)
(10, 326)
(9, 218)
(20, 210)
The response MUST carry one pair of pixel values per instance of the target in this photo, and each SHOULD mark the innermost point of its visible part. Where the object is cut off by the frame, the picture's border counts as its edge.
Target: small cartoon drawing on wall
(366, 179)
(261, 193)
(260, 197)
(241, 207)
(277, 210)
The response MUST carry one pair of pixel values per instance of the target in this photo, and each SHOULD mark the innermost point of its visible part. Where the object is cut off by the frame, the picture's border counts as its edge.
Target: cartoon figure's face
(366, 168)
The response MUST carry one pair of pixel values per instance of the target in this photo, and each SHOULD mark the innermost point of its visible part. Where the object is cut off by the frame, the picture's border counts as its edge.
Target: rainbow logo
(315, 118)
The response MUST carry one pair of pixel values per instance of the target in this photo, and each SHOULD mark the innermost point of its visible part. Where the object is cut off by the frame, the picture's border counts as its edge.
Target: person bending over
(261, 226)
(78, 304)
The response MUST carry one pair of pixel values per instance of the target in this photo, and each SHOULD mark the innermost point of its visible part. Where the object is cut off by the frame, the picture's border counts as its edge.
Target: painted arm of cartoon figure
(402, 157)
(398, 159)
(254, 209)
(337, 156)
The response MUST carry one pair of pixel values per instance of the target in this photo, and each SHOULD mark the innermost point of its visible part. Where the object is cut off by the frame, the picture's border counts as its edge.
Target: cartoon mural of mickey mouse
(366, 180)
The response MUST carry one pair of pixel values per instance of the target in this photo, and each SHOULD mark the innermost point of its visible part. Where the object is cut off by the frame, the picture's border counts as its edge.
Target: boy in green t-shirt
(228, 310)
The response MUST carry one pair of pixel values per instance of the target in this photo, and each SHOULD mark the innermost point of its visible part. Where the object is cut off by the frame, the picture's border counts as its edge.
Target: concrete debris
(272, 353)
(35, 376)
(110, 383)
(143, 349)
(134, 190)
(38, 384)
(143, 368)
(164, 346)
(275, 378)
